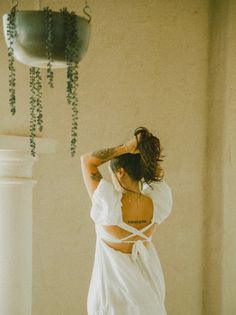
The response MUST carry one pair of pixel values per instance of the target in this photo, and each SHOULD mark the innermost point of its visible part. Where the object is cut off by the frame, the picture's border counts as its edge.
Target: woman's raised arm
(90, 162)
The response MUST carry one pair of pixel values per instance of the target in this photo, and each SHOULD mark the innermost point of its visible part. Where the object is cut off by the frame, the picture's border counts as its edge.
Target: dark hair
(144, 165)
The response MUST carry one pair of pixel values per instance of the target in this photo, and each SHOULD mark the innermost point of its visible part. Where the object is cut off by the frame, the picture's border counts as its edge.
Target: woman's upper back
(111, 211)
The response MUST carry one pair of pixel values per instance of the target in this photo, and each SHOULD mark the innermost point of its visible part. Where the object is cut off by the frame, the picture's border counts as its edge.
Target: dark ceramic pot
(30, 42)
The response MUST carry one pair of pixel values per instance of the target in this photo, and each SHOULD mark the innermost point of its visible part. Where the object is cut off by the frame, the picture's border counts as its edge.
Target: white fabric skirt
(122, 285)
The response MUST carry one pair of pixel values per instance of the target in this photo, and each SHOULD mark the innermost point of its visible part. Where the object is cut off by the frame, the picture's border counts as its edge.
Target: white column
(16, 186)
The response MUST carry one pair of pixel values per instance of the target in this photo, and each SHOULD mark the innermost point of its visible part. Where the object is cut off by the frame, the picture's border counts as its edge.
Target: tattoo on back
(104, 154)
(96, 176)
(141, 221)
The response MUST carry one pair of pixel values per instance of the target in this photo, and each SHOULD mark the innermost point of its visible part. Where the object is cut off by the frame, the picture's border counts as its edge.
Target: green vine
(49, 45)
(35, 105)
(71, 55)
(11, 34)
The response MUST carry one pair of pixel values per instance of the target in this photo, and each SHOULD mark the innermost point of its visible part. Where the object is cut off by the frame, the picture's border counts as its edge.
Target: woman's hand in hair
(132, 145)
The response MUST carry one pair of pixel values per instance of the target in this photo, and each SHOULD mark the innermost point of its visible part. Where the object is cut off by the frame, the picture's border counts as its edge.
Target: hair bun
(144, 133)
(146, 165)
(150, 153)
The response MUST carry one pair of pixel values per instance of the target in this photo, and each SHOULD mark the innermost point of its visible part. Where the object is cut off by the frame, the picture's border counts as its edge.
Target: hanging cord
(14, 6)
(84, 10)
(40, 5)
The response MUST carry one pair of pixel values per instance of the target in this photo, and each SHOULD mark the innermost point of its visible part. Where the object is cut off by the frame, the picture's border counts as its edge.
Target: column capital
(15, 155)
(21, 143)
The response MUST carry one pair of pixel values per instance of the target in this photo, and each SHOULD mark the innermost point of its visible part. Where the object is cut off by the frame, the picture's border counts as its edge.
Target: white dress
(123, 283)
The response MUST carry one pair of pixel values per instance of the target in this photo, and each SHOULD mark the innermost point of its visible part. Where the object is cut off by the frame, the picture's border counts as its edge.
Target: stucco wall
(147, 65)
(219, 216)
(229, 244)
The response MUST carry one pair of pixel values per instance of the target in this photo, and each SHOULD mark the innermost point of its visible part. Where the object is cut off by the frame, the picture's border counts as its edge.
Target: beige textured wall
(147, 65)
(229, 219)
(219, 216)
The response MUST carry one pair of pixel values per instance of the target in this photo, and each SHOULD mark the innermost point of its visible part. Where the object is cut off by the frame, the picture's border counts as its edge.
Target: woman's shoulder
(156, 187)
(161, 194)
(105, 203)
(103, 190)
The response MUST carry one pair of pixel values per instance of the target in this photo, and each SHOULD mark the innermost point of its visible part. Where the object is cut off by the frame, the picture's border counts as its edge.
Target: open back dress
(126, 283)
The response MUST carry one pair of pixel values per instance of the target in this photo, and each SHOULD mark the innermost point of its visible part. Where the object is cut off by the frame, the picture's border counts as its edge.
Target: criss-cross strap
(102, 233)
(135, 232)
(138, 248)
(124, 239)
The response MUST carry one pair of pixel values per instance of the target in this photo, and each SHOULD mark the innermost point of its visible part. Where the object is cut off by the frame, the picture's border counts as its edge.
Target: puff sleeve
(161, 195)
(104, 200)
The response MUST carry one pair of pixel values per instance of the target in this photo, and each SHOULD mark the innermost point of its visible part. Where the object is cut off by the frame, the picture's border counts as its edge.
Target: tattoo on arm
(104, 154)
(96, 176)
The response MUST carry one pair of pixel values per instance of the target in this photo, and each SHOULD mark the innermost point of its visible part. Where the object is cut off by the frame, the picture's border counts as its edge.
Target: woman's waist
(123, 246)
(128, 238)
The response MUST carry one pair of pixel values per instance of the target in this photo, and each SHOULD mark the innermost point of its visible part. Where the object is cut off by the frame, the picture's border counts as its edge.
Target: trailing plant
(11, 34)
(35, 79)
(36, 83)
(49, 45)
(36, 114)
(71, 55)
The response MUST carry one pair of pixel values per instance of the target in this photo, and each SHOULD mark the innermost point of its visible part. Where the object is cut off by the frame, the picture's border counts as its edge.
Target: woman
(127, 277)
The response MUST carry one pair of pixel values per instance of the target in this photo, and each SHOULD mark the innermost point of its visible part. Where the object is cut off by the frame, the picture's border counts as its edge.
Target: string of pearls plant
(71, 55)
(11, 33)
(35, 78)
(49, 45)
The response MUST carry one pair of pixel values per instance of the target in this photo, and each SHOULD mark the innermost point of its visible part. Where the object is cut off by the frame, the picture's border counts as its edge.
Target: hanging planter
(46, 39)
